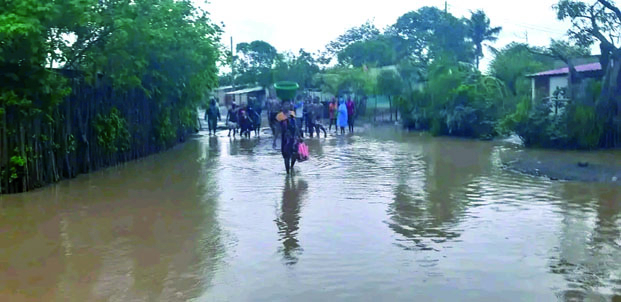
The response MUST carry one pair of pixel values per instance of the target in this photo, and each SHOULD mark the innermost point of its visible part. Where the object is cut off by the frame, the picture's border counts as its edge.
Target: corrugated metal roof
(580, 68)
(242, 91)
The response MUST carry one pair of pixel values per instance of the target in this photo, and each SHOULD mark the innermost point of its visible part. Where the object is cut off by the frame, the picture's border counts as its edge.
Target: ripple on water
(377, 217)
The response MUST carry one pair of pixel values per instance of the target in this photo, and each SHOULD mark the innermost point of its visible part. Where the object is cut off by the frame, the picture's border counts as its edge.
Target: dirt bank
(563, 169)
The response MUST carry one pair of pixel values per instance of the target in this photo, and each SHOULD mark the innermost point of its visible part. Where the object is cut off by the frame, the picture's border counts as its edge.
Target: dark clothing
(290, 134)
(351, 111)
(350, 107)
(232, 116)
(245, 125)
(255, 117)
(289, 142)
(212, 124)
(212, 115)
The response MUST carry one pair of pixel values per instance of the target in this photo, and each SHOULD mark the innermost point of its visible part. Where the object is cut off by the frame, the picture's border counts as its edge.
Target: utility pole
(526, 36)
(232, 65)
(446, 7)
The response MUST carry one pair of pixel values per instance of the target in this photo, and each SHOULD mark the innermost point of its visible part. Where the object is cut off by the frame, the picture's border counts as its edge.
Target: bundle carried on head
(286, 90)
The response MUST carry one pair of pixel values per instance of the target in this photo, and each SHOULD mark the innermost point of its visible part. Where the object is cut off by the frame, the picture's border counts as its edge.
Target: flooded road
(383, 215)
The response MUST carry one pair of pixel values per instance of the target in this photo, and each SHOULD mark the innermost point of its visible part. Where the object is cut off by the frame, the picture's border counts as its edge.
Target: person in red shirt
(351, 110)
(332, 112)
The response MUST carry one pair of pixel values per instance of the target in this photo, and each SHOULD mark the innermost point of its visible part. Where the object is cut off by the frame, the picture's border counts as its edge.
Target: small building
(548, 84)
(220, 93)
(241, 96)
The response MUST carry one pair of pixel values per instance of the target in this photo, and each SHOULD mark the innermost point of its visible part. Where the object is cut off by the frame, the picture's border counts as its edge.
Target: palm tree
(481, 31)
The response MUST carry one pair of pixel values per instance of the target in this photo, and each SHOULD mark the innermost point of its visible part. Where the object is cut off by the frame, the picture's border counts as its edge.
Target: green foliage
(480, 30)
(585, 128)
(591, 20)
(511, 120)
(165, 133)
(429, 33)
(364, 32)
(338, 80)
(111, 132)
(457, 100)
(374, 52)
(15, 168)
(389, 83)
(17, 161)
(576, 127)
(255, 62)
(300, 69)
(514, 62)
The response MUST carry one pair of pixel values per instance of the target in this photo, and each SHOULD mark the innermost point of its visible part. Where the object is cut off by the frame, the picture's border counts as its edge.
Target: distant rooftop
(224, 88)
(246, 90)
(565, 70)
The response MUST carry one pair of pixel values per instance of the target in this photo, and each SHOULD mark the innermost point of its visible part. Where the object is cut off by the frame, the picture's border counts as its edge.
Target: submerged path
(382, 215)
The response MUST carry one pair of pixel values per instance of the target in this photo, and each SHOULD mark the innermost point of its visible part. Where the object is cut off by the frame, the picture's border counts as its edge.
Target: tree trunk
(390, 106)
(609, 103)
(375, 110)
(3, 148)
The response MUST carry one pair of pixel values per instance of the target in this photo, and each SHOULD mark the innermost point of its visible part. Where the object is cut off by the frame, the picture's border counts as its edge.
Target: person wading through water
(342, 116)
(332, 110)
(273, 107)
(212, 115)
(231, 119)
(351, 111)
(290, 135)
(315, 117)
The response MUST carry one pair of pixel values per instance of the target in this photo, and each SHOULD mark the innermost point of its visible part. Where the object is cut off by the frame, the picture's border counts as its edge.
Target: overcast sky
(291, 24)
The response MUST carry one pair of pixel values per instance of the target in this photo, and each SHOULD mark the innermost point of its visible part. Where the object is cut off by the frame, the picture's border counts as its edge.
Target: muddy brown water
(383, 215)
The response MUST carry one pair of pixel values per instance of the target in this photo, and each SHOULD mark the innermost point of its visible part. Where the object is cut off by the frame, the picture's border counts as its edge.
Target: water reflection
(288, 220)
(589, 253)
(155, 237)
(409, 218)
(429, 196)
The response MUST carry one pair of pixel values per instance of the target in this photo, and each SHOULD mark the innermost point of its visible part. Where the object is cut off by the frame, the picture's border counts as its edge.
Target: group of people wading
(239, 119)
(288, 119)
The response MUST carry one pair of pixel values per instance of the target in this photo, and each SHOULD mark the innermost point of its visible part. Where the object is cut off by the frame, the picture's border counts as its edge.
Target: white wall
(557, 81)
(533, 88)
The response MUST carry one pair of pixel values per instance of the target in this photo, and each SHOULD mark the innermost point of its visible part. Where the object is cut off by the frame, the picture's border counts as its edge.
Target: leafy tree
(429, 34)
(301, 68)
(513, 62)
(255, 62)
(413, 75)
(225, 80)
(374, 52)
(138, 68)
(480, 31)
(600, 21)
(390, 84)
(364, 32)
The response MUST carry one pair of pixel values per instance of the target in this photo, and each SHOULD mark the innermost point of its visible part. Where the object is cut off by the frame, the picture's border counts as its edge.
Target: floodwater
(383, 215)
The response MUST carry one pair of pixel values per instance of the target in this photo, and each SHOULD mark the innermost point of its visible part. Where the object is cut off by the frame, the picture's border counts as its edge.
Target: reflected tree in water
(150, 245)
(429, 197)
(589, 253)
(288, 220)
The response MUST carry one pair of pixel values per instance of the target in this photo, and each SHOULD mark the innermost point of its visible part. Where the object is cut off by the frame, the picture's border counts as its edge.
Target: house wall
(557, 81)
(541, 88)
(533, 89)
(221, 95)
